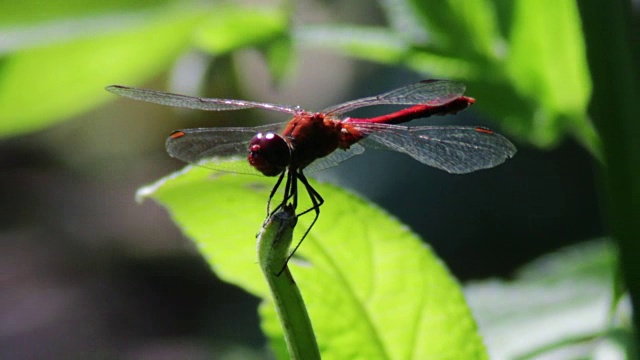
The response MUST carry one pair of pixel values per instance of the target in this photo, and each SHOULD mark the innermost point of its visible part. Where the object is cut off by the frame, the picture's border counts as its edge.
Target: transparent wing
(455, 149)
(334, 158)
(192, 102)
(426, 92)
(217, 148)
(214, 148)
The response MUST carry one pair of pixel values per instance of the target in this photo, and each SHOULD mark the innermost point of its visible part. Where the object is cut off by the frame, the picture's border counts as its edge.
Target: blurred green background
(86, 270)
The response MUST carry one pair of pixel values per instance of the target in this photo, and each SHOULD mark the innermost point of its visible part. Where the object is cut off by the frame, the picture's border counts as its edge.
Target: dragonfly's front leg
(290, 190)
(273, 193)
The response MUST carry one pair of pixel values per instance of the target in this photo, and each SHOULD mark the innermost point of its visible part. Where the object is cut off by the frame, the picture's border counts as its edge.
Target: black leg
(315, 197)
(317, 201)
(288, 192)
(291, 188)
(294, 191)
(273, 192)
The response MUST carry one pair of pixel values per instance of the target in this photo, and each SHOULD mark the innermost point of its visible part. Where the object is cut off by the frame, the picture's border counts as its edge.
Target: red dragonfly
(312, 141)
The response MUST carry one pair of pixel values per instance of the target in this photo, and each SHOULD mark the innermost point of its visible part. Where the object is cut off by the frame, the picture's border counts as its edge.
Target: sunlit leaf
(29, 12)
(43, 85)
(557, 303)
(547, 62)
(371, 287)
(229, 27)
(54, 71)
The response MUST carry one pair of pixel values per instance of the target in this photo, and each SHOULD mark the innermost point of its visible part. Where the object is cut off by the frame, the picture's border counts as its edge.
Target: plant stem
(274, 241)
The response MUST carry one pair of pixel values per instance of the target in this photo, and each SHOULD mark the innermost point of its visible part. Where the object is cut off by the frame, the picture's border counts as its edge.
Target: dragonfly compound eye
(269, 153)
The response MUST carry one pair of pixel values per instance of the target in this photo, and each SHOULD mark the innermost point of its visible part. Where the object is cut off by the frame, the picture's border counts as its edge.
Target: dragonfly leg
(290, 190)
(317, 201)
(315, 197)
(273, 192)
(294, 190)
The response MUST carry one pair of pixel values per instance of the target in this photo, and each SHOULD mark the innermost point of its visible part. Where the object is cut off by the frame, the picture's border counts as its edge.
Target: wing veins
(428, 92)
(453, 149)
(193, 102)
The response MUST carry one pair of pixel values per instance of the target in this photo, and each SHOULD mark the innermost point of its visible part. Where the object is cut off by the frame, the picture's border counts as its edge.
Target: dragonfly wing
(426, 92)
(334, 158)
(192, 102)
(216, 148)
(455, 149)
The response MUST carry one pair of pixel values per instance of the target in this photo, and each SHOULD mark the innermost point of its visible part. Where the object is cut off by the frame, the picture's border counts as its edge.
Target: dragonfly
(312, 141)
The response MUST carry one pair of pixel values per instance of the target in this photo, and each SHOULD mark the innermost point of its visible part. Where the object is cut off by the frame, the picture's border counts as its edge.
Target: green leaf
(370, 43)
(221, 213)
(371, 287)
(26, 12)
(232, 27)
(46, 78)
(569, 289)
(466, 28)
(525, 63)
(384, 46)
(613, 59)
(43, 85)
(280, 57)
(547, 63)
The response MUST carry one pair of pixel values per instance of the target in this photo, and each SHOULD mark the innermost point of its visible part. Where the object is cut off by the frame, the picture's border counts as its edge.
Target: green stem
(273, 248)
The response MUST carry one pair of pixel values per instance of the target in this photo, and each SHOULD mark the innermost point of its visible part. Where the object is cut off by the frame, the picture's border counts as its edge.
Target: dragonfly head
(269, 153)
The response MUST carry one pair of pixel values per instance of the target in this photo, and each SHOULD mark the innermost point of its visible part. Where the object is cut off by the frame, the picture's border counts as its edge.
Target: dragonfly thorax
(269, 153)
